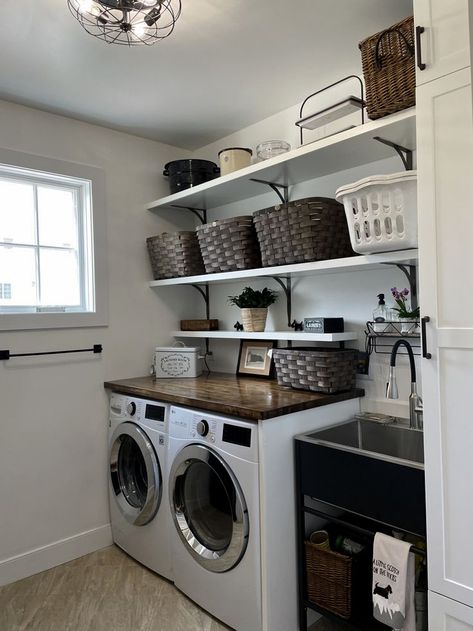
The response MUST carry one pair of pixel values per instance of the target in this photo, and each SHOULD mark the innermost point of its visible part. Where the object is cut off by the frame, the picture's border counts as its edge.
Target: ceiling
(229, 63)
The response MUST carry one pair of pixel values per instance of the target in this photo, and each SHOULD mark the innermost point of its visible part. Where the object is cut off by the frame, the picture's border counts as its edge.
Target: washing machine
(214, 500)
(139, 508)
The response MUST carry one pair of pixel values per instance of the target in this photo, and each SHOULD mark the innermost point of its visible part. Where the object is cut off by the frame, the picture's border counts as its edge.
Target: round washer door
(208, 508)
(135, 474)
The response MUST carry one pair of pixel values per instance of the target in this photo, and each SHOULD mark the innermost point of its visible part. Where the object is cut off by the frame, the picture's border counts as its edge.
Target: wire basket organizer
(310, 229)
(388, 60)
(174, 254)
(381, 212)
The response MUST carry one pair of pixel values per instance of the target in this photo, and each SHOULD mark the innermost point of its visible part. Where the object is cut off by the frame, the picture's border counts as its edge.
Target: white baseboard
(57, 553)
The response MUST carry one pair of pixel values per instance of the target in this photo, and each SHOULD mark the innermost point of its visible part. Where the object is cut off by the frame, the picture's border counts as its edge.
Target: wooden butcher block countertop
(253, 399)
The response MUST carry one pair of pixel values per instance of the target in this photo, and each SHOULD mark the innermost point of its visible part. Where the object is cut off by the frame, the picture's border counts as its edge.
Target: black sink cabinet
(357, 497)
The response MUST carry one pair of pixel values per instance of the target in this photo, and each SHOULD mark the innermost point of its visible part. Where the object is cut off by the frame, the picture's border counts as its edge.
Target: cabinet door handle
(419, 31)
(424, 321)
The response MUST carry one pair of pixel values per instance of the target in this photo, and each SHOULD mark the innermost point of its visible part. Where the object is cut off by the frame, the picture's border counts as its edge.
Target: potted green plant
(409, 318)
(254, 307)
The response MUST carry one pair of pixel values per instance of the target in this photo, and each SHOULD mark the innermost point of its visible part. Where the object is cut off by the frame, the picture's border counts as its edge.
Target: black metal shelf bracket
(403, 152)
(6, 354)
(205, 293)
(200, 213)
(277, 188)
(287, 288)
(410, 272)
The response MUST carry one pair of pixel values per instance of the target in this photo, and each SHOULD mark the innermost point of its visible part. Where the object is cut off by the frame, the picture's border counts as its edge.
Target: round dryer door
(135, 474)
(208, 508)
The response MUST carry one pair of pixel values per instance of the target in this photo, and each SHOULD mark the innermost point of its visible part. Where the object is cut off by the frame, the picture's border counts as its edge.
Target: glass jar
(271, 148)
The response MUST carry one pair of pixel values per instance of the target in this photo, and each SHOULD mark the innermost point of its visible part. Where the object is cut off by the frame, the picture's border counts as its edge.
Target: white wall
(351, 295)
(53, 414)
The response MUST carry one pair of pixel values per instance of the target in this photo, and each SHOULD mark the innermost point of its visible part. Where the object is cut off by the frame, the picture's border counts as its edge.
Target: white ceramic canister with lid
(177, 361)
(234, 158)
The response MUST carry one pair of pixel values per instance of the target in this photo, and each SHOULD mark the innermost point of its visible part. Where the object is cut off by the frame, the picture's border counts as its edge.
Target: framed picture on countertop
(256, 358)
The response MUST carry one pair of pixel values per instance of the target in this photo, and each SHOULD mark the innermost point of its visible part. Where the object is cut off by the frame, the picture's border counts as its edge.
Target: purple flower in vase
(400, 298)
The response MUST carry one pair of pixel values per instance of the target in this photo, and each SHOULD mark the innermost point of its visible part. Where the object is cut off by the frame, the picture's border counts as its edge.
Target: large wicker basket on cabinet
(388, 60)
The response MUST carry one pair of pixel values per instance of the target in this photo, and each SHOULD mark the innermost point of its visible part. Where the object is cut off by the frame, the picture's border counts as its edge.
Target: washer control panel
(138, 410)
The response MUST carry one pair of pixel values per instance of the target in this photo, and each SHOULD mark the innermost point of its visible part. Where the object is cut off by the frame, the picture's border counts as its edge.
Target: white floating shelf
(345, 150)
(270, 335)
(349, 264)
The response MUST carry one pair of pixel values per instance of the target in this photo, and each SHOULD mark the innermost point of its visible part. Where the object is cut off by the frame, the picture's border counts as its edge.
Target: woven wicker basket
(327, 370)
(229, 244)
(388, 60)
(312, 229)
(175, 254)
(329, 579)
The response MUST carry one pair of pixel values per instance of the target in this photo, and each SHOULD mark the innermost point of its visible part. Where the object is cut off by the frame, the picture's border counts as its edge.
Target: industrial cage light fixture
(127, 22)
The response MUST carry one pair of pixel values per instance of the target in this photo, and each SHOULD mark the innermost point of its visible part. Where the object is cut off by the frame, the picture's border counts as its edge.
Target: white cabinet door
(445, 42)
(445, 210)
(448, 615)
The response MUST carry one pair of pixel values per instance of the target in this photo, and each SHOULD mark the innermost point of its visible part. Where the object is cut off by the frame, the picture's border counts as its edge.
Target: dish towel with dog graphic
(393, 583)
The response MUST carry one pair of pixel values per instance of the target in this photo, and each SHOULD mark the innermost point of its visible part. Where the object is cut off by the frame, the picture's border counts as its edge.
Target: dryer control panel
(231, 435)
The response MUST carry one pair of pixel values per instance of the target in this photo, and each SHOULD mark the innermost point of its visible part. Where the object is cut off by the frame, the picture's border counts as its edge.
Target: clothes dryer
(214, 499)
(138, 493)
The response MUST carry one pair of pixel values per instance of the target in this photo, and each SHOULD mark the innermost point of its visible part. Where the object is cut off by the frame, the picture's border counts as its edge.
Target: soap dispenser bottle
(380, 315)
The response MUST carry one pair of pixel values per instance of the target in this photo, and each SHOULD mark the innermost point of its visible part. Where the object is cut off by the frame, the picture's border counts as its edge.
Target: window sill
(31, 321)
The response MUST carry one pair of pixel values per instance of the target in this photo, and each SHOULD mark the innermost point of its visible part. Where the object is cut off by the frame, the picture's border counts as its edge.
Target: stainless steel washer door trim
(215, 561)
(134, 515)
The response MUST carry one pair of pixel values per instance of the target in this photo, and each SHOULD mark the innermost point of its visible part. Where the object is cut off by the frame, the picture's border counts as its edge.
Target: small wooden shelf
(345, 150)
(299, 336)
(349, 264)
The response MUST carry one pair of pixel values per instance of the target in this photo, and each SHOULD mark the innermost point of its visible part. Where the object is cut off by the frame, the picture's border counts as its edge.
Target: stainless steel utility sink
(385, 441)
(368, 468)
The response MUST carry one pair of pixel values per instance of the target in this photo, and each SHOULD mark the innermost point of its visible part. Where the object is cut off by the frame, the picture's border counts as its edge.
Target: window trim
(69, 319)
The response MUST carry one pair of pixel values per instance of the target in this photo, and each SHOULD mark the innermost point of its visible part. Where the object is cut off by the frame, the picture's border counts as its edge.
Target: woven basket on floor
(175, 254)
(329, 579)
(327, 370)
(311, 229)
(388, 60)
(229, 244)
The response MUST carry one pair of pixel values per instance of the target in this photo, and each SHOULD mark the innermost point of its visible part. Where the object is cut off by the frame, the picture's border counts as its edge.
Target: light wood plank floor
(103, 591)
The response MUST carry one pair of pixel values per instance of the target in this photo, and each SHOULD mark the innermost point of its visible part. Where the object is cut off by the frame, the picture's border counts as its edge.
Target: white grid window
(5, 291)
(46, 252)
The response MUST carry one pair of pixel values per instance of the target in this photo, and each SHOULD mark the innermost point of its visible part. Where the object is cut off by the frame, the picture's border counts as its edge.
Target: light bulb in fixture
(139, 29)
(89, 6)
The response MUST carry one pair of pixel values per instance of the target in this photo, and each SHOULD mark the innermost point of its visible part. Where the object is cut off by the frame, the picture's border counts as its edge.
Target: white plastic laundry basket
(381, 212)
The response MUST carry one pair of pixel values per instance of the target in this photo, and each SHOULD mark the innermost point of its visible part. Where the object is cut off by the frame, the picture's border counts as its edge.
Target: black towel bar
(5, 354)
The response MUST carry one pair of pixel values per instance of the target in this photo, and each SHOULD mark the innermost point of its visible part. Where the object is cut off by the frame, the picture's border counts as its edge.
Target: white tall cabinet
(445, 41)
(445, 206)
